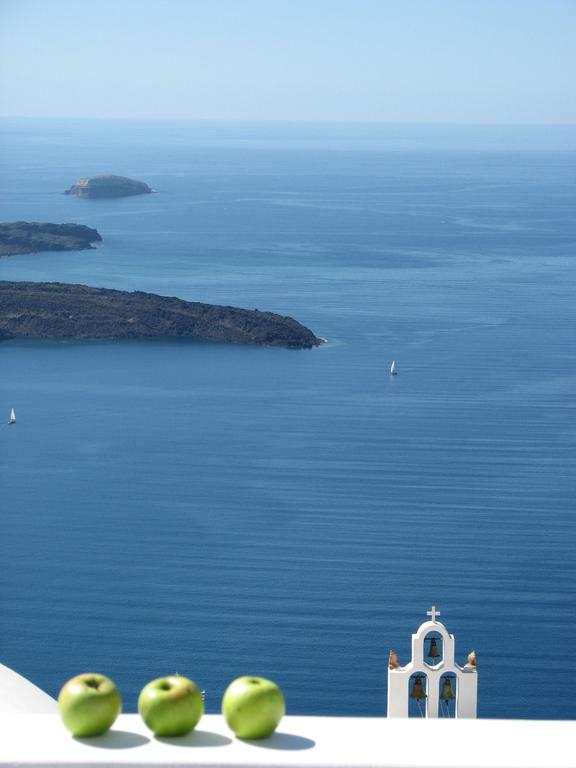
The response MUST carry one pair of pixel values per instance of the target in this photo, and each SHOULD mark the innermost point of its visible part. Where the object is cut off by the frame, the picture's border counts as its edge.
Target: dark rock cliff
(62, 311)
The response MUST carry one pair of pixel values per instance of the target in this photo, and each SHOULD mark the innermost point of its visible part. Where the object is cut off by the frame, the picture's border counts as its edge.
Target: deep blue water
(222, 510)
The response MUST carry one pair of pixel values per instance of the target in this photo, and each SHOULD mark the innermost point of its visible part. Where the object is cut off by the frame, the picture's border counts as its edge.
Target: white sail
(393, 368)
(12, 418)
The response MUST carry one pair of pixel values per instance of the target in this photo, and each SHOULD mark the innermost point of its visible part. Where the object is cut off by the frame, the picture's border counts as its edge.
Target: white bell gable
(465, 677)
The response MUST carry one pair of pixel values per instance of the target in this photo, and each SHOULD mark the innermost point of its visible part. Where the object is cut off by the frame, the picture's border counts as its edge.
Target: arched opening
(447, 695)
(433, 648)
(417, 694)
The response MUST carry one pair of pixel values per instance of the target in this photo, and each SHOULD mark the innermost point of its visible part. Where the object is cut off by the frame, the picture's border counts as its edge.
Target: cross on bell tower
(430, 683)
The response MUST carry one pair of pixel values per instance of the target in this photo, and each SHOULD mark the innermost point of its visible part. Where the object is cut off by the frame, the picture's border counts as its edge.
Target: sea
(217, 510)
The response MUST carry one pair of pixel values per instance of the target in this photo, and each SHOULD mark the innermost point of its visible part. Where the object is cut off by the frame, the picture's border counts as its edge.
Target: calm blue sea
(222, 510)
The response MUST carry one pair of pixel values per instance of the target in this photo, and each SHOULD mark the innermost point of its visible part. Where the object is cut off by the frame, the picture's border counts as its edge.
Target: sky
(416, 61)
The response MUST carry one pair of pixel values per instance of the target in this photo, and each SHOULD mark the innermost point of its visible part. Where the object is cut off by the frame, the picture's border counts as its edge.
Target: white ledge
(303, 742)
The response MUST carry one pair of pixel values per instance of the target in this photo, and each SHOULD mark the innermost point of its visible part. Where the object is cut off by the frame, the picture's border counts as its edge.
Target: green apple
(89, 704)
(171, 706)
(253, 707)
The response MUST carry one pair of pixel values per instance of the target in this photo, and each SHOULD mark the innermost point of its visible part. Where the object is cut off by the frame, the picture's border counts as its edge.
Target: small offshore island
(63, 311)
(32, 237)
(108, 186)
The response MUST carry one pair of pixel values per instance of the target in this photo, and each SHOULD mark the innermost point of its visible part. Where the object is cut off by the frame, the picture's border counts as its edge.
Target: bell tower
(432, 684)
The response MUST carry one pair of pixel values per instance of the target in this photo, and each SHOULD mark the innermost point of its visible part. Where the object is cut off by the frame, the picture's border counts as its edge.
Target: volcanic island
(32, 237)
(60, 311)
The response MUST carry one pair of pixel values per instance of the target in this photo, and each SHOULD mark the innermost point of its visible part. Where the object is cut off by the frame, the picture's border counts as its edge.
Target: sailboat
(12, 417)
(393, 368)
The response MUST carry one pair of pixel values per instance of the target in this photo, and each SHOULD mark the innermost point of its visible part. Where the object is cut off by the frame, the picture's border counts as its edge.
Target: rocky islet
(108, 186)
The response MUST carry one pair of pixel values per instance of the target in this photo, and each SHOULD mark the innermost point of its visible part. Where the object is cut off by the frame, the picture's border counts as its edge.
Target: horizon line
(308, 121)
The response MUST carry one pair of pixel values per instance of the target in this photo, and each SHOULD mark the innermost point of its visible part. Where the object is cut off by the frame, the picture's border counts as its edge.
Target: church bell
(418, 691)
(447, 691)
(433, 651)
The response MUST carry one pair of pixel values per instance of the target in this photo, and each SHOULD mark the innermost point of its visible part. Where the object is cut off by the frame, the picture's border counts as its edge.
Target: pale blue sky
(463, 61)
